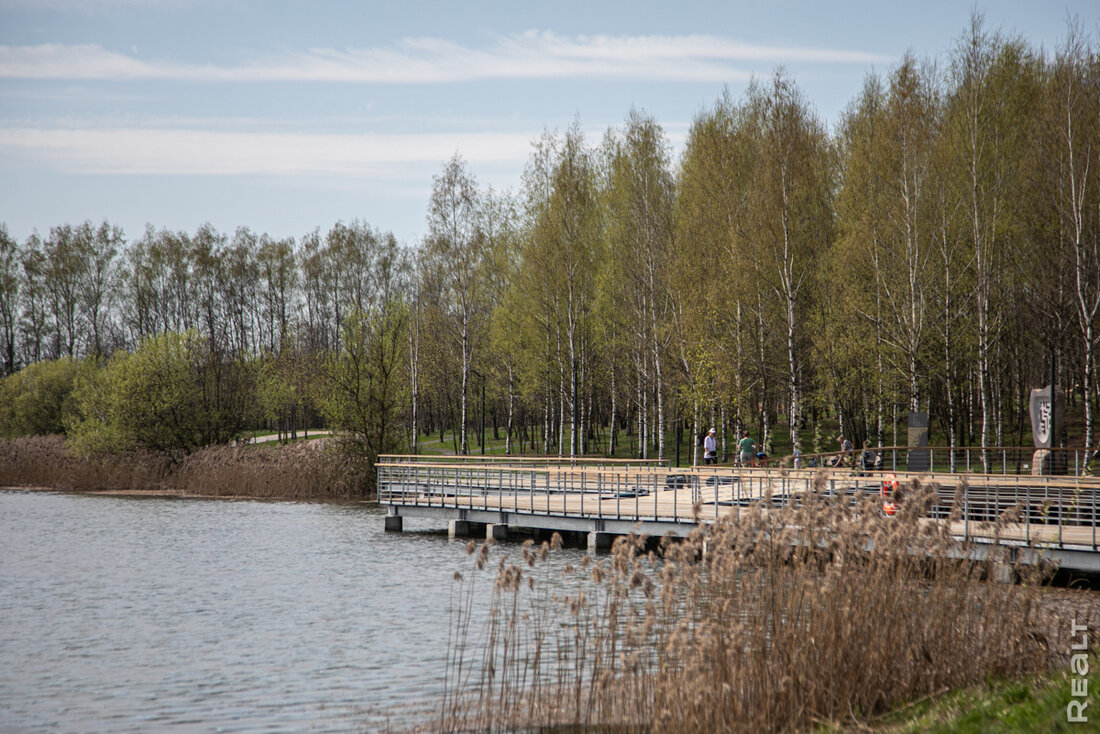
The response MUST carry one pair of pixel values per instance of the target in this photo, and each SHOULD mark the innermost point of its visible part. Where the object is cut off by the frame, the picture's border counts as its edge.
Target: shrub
(173, 395)
(37, 398)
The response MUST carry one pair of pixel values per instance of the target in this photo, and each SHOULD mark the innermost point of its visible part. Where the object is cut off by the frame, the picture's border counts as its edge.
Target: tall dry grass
(297, 471)
(825, 610)
(46, 461)
(294, 471)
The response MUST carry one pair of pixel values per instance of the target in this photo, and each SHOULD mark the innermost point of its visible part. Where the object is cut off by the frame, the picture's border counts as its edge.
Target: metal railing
(520, 460)
(1003, 460)
(1048, 510)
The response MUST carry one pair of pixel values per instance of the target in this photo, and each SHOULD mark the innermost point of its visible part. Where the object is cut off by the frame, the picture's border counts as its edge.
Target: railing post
(570, 481)
(966, 509)
(1027, 514)
(618, 496)
(637, 500)
(600, 499)
(715, 496)
(1061, 512)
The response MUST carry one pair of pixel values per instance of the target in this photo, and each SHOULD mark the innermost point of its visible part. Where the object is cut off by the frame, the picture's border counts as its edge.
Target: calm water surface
(120, 614)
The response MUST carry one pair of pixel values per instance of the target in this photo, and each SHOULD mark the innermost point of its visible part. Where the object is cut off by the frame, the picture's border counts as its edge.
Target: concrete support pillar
(1003, 573)
(600, 541)
(496, 531)
(394, 523)
(458, 529)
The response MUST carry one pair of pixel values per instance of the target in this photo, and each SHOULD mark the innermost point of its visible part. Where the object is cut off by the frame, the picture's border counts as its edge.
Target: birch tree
(9, 299)
(789, 215)
(1070, 145)
(986, 127)
(458, 262)
(639, 217)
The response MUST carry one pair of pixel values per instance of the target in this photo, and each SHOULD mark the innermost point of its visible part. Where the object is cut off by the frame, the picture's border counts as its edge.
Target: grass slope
(1032, 704)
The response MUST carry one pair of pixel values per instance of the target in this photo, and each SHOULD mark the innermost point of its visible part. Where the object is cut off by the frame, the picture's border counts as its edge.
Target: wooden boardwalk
(1057, 515)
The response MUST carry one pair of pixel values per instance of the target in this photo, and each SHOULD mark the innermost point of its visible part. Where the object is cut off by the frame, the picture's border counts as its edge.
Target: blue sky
(285, 116)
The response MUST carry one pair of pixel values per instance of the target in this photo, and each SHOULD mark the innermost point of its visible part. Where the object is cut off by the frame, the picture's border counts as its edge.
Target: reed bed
(777, 619)
(294, 471)
(297, 471)
(46, 461)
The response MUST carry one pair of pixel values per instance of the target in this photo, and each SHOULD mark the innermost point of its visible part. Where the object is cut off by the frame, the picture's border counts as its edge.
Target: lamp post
(481, 433)
(679, 422)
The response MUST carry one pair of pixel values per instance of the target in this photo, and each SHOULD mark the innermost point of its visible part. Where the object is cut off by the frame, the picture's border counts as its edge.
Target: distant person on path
(797, 454)
(745, 445)
(869, 457)
(710, 448)
(845, 450)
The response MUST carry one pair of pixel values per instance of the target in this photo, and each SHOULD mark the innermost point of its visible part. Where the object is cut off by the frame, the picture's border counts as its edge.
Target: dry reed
(298, 471)
(823, 610)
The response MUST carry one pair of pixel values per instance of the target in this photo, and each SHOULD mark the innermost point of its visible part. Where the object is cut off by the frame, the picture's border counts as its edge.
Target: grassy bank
(1035, 703)
(305, 470)
(778, 619)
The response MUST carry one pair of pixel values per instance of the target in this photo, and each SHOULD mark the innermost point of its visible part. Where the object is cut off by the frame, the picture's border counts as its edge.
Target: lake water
(138, 614)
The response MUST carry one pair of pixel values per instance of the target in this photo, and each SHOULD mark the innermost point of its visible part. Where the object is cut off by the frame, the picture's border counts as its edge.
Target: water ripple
(120, 615)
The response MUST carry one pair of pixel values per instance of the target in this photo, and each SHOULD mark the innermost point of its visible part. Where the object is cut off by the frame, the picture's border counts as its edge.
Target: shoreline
(298, 471)
(177, 494)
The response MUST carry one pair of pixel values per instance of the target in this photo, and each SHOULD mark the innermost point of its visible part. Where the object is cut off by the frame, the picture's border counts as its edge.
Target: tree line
(935, 252)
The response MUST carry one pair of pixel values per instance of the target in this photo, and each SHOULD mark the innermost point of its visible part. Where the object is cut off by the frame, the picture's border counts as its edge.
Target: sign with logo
(1046, 427)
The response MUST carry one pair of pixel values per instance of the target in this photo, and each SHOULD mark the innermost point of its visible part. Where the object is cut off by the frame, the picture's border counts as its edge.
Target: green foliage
(172, 394)
(927, 255)
(36, 400)
(362, 389)
(276, 393)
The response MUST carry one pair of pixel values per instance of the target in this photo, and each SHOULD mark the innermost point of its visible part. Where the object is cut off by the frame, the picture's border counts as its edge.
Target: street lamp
(481, 434)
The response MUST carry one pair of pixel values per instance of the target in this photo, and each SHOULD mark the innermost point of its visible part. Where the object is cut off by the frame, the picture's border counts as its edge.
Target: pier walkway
(1057, 515)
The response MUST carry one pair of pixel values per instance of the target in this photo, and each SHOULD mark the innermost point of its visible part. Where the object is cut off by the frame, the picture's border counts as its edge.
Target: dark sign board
(918, 460)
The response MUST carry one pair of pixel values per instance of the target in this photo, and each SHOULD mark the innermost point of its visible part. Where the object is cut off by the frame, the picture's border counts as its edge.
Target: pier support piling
(458, 529)
(496, 531)
(394, 523)
(600, 541)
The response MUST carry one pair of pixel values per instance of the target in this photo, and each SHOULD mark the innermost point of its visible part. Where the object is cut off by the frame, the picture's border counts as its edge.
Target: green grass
(626, 447)
(1034, 704)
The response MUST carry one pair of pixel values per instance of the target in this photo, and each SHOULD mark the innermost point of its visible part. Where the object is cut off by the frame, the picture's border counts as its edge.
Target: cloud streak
(213, 152)
(529, 55)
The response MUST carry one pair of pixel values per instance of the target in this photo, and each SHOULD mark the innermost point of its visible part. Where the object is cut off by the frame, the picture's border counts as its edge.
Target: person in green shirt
(745, 445)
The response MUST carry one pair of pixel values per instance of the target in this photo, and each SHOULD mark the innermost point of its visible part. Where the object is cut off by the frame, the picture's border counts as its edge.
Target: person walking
(869, 458)
(710, 447)
(745, 446)
(845, 454)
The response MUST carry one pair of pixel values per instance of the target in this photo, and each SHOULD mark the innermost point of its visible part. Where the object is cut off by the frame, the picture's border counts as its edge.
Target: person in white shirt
(710, 448)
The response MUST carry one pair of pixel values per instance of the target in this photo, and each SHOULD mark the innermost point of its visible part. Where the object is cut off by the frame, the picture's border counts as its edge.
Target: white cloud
(209, 152)
(529, 55)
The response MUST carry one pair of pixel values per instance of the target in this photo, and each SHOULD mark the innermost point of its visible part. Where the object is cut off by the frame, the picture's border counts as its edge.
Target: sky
(288, 116)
